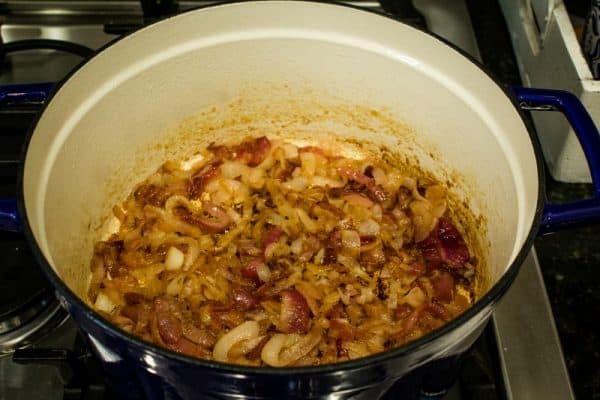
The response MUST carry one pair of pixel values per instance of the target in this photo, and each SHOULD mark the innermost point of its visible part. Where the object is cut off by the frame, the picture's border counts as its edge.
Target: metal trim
(531, 356)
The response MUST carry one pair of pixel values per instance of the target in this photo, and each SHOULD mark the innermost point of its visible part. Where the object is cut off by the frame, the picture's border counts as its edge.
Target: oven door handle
(575, 213)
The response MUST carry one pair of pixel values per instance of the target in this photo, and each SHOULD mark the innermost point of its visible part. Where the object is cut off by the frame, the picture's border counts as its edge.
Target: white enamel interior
(101, 125)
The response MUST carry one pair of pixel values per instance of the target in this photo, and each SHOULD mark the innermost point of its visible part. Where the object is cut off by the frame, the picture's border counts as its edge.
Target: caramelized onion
(218, 220)
(174, 259)
(244, 299)
(295, 314)
(263, 272)
(199, 336)
(245, 331)
(375, 190)
(443, 286)
(104, 303)
(358, 200)
(250, 270)
(197, 184)
(282, 350)
(350, 241)
(368, 228)
(263, 253)
(169, 327)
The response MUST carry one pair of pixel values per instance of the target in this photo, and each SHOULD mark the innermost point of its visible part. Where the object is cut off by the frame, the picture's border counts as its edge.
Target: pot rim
(490, 297)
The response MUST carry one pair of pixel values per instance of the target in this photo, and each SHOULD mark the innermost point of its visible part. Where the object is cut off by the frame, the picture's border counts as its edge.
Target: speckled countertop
(570, 260)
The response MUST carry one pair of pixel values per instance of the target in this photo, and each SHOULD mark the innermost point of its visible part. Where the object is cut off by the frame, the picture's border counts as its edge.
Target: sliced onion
(358, 200)
(174, 259)
(214, 186)
(392, 300)
(353, 266)
(296, 184)
(206, 242)
(249, 270)
(350, 241)
(176, 201)
(233, 215)
(191, 254)
(270, 250)
(319, 256)
(377, 212)
(233, 169)
(415, 297)
(309, 163)
(324, 181)
(175, 286)
(199, 336)
(300, 347)
(423, 219)
(385, 272)
(270, 351)
(276, 219)
(245, 331)
(397, 244)
(368, 228)
(255, 178)
(282, 350)
(227, 191)
(296, 246)
(307, 221)
(218, 220)
(272, 236)
(366, 296)
(246, 346)
(356, 349)
(194, 162)
(263, 272)
(104, 303)
(290, 150)
(380, 176)
(437, 197)
(237, 190)
(295, 312)
(344, 296)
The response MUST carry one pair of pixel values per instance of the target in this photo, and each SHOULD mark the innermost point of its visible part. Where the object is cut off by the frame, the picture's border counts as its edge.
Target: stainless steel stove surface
(518, 357)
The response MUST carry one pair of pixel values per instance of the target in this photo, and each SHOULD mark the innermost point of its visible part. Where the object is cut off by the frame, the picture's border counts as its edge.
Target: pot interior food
(307, 72)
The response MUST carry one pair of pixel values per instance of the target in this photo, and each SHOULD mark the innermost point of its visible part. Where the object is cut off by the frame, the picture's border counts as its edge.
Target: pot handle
(9, 216)
(22, 94)
(555, 216)
(558, 216)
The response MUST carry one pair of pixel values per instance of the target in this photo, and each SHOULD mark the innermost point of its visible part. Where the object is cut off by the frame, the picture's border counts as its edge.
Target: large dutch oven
(293, 69)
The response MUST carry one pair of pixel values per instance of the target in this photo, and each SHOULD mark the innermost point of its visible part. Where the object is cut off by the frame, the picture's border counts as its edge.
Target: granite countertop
(570, 263)
(570, 259)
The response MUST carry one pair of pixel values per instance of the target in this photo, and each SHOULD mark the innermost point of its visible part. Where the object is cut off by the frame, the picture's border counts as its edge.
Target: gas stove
(41, 355)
